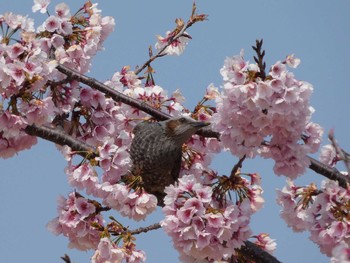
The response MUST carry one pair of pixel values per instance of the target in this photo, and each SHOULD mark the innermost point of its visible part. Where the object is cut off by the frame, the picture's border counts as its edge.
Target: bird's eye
(182, 119)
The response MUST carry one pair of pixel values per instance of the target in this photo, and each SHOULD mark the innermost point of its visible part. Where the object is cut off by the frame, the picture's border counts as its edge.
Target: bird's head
(182, 128)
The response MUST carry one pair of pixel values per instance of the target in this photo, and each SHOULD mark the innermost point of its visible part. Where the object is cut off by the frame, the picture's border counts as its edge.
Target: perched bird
(156, 151)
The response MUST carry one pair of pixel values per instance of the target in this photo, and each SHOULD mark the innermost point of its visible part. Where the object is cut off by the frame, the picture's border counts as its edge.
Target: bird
(156, 151)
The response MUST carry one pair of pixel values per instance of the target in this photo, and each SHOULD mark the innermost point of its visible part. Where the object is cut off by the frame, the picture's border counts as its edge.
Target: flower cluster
(268, 116)
(324, 213)
(12, 139)
(31, 88)
(78, 219)
(176, 47)
(108, 251)
(200, 226)
(341, 253)
(136, 205)
(328, 155)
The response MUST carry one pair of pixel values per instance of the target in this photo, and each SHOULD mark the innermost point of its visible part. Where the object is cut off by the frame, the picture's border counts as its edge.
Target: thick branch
(114, 94)
(257, 254)
(61, 138)
(330, 173)
(85, 150)
(120, 97)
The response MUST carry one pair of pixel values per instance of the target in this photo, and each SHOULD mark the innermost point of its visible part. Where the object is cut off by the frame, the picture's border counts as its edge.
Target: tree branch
(66, 258)
(145, 229)
(343, 156)
(120, 97)
(181, 32)
(257, 254)
(330, 173)
(161, 52)
(61, 138)
(114, 94)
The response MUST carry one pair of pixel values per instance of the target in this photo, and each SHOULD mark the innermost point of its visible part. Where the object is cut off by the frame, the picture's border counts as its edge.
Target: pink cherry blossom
(292, 61)
(52, 24)
(269, 117)
(212, 92)
(328, 155)
(341, 253)
(40, 5)
(176, 47)
(37, 111)
(199, 230)
(62, 11)
(11, 145)
(321, 212)
(107, 251)
(16, 71)
(265, 242)
(75, 220)
(11, 124)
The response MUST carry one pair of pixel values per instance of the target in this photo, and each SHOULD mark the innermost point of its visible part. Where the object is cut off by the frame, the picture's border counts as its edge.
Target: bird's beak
(200, 124)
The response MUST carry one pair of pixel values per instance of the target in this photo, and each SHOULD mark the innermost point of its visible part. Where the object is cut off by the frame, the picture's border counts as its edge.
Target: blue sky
(315, 31)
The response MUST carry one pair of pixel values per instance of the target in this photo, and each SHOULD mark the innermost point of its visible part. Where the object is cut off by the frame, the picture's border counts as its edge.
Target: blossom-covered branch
(61, 138)
(329, 172)
(43, 97)
(174, 36)
(253, 252)
(120, 97)
(145, 229)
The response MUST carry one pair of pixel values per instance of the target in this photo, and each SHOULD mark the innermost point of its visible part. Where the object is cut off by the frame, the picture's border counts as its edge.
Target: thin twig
(193, 19)
(237, 166)
(161, 51)
(339, 151)
(260, 58)
(66, 258)
(145, 229)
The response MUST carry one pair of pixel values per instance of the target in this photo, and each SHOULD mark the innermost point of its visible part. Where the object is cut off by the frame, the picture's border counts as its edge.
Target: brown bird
(156, 151)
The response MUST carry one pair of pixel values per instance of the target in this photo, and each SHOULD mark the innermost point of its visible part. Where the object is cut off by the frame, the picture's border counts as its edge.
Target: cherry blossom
(135, 205)
(292, 61)
(341, 253)
(328, 155)
(265, 242)
(321, 212)
(62, 11)
(107, 251)
(177, 46)
(255, 115)
(76, 217)
(40, 5)
(268, 117)
(200, 227)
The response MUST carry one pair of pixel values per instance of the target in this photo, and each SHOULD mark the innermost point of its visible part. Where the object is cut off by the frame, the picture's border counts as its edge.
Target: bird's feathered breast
(152, 150)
